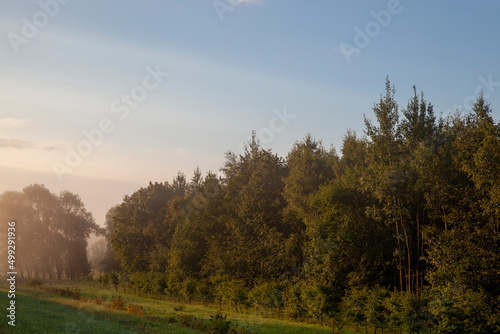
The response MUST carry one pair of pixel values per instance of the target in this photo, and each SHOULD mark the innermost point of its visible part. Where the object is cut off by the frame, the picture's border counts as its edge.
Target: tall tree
(309, 167)
(199, 230)
(142, 230)
(466, 252)
(393, 178)
(110, 261)
(346, 247)
(52, 231)
(75, 225)
(254, 204)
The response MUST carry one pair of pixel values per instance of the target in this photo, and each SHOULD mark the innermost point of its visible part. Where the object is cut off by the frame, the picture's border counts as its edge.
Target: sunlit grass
(34, 314)
(53, 314)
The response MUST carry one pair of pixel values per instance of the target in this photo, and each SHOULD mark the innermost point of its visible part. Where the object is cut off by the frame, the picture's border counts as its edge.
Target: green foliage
(143, 228)
(413, 204)
(464, 311)
(219, 324)
(232, 292)
(354, 304)
(189, 290)
(409, 312)
(268, 296)
(376, 312)
(320, 300)
(294, 305)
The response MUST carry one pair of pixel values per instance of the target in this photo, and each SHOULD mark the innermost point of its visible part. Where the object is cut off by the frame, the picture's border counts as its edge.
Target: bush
(191, 322)
(376, 312)
(104, 280)
(89, 277)
(114, 279)
(294, 305)
(409, 312)
(219, 324)
(172, 289)
(321, 301)
(98, 300)
(117, 304)
(34, 282)
(135, 310)
(234, 293)
(189, 289)
(205, 291)
(355, 307)
(75, 294)
(466, 311)
(268, 296)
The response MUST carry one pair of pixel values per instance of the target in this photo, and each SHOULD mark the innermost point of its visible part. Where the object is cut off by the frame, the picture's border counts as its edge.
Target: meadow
(90, 308)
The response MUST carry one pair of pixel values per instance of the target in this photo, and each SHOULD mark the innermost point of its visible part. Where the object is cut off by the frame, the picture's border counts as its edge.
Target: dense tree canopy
(52, 232)
(415, 202)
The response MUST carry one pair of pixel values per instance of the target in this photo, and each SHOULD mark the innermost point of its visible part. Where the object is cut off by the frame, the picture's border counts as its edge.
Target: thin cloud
(24, 144)
(11, 122)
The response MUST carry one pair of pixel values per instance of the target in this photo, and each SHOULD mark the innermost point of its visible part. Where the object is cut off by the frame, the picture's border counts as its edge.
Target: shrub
(219, 324)
(355, 307)
(321, 301)
(268, 296)
(75, 294)
(192, 322)
(409, 312)
(114, 279)
(172, 289)
(89, 277)
(34, 282)
(98, 300)
(104, 280)
(135, 310)
(376, 312)
(234, 293)
(466, 311)
(294, 306)
(117, 304)
(189, 289)
(204, 291)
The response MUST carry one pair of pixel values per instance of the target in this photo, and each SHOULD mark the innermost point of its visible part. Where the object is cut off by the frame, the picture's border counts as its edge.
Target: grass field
(39, 311)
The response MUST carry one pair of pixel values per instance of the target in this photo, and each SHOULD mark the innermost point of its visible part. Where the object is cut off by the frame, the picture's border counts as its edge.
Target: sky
(101, 97)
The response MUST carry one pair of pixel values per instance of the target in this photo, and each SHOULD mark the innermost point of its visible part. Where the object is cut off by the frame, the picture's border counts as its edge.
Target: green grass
(36, 315)
(42, 312)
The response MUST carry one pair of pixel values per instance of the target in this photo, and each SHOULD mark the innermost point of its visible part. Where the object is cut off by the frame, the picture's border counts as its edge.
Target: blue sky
(229, 72)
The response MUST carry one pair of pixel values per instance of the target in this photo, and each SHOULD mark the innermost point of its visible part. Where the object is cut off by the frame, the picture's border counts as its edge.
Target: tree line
(399, 228)
(51, 232)
(412, 205)
(414, 202)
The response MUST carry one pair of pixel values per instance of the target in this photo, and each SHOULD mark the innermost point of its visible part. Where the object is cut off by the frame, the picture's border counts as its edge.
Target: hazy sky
(101, 97)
